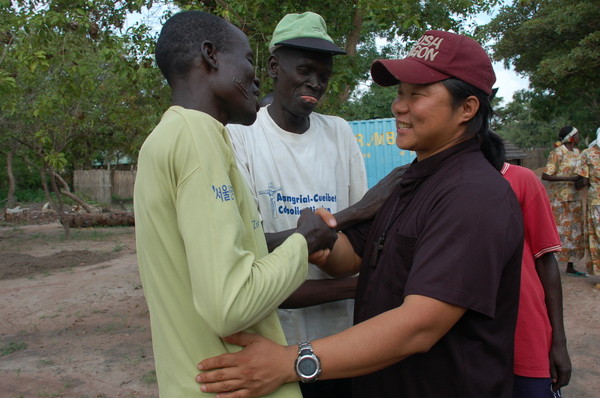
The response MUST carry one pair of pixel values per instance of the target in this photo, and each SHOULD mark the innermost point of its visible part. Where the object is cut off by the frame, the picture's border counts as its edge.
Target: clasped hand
(319, 230)
(259, 369)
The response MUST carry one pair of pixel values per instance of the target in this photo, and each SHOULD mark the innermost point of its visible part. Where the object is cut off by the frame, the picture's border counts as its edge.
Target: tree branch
(67, 192)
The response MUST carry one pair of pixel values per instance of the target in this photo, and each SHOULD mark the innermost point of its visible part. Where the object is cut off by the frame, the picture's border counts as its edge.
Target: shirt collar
(419, 170)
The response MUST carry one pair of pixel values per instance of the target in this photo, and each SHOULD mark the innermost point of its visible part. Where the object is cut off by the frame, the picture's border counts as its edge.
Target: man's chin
(247, 119)
(306, 108)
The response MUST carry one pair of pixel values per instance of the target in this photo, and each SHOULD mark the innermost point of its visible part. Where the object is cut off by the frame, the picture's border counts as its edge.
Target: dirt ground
(74, 322)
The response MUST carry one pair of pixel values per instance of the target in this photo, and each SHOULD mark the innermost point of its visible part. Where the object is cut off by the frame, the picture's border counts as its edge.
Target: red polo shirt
(533, 336)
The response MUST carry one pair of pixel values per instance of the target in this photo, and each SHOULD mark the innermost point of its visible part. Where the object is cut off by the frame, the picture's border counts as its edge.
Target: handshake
(319, 230)
(319, 227)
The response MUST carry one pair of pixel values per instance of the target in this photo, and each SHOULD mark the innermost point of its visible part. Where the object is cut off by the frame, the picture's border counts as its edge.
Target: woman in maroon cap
(437, 298)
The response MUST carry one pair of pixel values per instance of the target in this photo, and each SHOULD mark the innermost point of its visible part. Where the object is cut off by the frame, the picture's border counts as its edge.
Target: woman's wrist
(291, 353)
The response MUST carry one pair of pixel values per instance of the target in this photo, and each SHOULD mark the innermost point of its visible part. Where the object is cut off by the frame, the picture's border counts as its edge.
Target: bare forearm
(560, 363)
(263, 365)
(366, 208)
(350, 216)
(318, 234)
(556, 178)
(315, 292)
(275, 239)
(343, 260)
(392, 336)
(547, 270)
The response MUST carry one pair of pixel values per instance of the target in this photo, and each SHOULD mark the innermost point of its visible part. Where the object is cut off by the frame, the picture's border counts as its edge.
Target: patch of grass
(99, 233)
(12, 347)
(118, 247)
(112, 327)
(149, 378)
(96, 234)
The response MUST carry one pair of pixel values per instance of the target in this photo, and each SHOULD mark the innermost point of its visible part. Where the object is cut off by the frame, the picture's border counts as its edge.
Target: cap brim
(389, 72)
(311, 43)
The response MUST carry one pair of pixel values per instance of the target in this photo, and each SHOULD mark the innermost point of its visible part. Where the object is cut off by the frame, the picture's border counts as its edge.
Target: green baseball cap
(305, 31)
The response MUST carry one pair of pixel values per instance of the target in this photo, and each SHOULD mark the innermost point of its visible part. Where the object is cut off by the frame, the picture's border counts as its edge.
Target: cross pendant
(377, 250)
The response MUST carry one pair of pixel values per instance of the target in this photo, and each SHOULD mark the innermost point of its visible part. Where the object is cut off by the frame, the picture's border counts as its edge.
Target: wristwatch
(308, 365)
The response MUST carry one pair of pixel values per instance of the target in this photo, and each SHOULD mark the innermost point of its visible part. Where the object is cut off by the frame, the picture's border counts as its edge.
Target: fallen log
(15, 214)
(112, 219)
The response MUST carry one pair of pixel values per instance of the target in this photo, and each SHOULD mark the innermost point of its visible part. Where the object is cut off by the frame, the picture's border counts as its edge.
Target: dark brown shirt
(453, 233)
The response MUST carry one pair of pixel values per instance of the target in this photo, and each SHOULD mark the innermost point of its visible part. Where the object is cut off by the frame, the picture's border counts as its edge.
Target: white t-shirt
(288, 172)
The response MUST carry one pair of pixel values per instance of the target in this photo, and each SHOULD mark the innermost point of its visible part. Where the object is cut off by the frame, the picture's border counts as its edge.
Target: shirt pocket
(397, 262)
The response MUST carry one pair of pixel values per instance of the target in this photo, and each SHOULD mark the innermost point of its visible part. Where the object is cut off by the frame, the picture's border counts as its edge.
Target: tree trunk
(354, 36)
(57, 204)
(352, 43)
(10, 198)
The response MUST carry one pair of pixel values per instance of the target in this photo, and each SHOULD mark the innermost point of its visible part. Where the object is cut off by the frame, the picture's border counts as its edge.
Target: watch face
(307, 366)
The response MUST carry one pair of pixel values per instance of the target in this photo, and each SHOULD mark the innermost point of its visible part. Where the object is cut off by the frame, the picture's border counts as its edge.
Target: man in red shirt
(542, 364)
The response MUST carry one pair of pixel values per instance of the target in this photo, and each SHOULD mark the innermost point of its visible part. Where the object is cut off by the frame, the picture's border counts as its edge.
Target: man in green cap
(294, 158)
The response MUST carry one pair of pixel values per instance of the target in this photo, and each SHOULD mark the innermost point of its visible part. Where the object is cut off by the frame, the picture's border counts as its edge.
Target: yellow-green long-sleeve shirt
(202, 254)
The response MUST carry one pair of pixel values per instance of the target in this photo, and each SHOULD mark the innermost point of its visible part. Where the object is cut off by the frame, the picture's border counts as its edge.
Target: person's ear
(469, 108)
(273, 66)
(209, 54)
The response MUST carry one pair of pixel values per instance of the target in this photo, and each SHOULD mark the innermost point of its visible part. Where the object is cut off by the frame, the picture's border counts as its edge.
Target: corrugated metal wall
(377, 141)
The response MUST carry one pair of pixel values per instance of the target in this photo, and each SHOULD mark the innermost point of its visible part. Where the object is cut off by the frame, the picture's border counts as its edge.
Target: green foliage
(353, 25)
(374, 104)
(556, 43)
(75, 86)
(26, 176)
(523, 126)
(31, 195)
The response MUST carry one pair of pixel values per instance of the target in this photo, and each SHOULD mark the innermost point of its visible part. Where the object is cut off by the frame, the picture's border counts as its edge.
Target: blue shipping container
(377, 141)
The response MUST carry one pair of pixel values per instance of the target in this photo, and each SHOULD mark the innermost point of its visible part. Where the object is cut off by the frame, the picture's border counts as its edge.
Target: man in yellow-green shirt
(203, 259)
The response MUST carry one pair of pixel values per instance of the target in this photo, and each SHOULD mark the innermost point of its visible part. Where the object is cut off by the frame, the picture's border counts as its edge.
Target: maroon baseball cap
(438, 56)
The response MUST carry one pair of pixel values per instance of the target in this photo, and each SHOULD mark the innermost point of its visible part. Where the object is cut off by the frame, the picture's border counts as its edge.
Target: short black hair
(181, 39)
